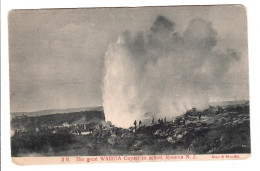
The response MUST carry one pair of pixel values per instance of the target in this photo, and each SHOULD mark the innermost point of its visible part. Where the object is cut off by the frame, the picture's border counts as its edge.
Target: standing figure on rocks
(199, 115)
(135, 125)
(159, 121)
(153, 121)
(165, 120)
(183, 121)
(140, 123)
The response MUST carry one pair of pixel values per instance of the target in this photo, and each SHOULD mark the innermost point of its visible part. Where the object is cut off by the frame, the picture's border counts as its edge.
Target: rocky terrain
(216, 130)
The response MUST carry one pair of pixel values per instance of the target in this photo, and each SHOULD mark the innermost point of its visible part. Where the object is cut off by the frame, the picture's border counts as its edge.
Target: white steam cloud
(162, 72)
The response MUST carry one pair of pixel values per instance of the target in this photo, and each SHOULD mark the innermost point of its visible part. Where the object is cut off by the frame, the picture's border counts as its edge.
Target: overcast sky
(57, 56)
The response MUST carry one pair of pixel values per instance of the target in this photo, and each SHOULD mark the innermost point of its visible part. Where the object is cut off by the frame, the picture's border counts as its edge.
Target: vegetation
(216, 130)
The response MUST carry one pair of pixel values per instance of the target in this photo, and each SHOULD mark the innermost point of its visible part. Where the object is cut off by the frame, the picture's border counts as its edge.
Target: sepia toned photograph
(129, 84)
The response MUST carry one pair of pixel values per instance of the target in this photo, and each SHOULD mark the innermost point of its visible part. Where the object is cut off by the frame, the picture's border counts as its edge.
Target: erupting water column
(119, 88)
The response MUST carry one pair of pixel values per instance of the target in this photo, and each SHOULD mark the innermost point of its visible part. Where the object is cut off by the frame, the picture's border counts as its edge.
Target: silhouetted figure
(153, 121)
(183, 121)
(135, 125)
(159, 121)
(199, 115)
(140, 123)
(165, 120)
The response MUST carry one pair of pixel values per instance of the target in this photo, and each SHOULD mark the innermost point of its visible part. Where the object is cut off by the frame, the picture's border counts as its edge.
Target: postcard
(130, 84)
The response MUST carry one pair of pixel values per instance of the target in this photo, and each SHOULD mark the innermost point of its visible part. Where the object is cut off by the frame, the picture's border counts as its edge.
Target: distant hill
(226, 103)
(57, 111)
(60, 119)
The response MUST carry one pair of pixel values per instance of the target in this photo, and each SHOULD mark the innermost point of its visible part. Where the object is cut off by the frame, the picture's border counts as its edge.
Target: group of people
(140, 123)
(163, 120)
(160, 121)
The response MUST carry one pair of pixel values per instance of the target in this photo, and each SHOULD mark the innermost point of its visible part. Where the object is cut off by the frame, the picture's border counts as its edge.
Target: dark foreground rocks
(216, 130)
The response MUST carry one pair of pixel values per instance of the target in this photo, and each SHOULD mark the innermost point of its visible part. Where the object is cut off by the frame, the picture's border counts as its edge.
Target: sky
(57, 56)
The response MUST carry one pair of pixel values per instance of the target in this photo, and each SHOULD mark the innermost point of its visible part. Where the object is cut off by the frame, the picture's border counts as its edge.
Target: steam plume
(162, 72)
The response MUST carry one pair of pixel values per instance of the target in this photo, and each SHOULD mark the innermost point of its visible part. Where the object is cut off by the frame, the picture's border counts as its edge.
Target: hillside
(26, 123)
(56, 111)
(216, 130)
(226, 103)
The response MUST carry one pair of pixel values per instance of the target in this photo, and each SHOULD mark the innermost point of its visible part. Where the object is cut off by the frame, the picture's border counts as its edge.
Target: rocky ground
(216, 130)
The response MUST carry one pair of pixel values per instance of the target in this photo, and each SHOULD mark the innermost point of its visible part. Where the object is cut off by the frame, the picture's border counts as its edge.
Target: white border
(253, 9)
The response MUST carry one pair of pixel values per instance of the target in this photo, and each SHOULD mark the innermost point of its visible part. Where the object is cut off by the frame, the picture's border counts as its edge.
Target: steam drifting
(162, 72)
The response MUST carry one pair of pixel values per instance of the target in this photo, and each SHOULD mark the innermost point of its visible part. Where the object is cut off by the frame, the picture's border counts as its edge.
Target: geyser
(162, 72)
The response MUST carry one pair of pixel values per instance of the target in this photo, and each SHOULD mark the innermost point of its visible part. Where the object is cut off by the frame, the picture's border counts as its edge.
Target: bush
(40, 142)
